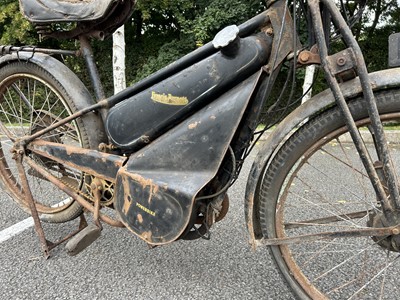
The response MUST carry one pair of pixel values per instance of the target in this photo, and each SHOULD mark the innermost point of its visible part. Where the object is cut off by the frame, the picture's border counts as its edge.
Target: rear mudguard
(71, 83)
(379, 80)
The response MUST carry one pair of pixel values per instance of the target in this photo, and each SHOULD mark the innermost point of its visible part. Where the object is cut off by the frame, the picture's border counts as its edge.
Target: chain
(107, 196)
(78, 190)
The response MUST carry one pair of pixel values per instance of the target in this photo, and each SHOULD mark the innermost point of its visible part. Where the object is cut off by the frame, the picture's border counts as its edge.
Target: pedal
(83, 239)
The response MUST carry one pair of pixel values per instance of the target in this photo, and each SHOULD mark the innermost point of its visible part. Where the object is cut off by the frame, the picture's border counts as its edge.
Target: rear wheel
(32, 99)
(316, 183)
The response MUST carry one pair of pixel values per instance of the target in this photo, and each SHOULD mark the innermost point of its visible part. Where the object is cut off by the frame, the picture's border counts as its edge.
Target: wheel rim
(359, 266)
(27, 105)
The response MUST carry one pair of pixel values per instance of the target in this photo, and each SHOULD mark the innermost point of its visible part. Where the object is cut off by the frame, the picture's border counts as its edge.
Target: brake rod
(385, 231)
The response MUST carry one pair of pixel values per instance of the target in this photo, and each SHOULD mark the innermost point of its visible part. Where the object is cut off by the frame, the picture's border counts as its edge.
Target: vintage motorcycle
(159, 157)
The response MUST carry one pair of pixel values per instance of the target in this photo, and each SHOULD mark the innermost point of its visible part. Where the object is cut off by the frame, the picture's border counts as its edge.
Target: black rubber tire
(20, 73)
(278, 189)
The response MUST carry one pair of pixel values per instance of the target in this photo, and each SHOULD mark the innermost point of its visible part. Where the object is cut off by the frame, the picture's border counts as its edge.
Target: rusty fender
(379, 80)
(76, 89)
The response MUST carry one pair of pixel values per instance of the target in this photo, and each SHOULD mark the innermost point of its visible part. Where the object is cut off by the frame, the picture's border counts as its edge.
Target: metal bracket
(342, 65)
(308, 58)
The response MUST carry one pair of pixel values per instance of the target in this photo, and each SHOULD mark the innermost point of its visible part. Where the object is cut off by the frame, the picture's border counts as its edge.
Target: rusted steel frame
(82, 225)
(97, 187)
(87, 54)
(14, 49)
(284, 36)
(78, 114)
(29, 199)
(99, 164)
(385, 231)
(340, 100)
(70, 192)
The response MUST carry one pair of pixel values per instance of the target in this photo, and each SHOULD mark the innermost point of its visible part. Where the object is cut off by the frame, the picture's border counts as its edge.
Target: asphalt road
(120, 266)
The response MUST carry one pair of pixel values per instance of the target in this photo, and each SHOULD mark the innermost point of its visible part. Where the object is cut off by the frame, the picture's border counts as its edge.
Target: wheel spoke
(374, 277)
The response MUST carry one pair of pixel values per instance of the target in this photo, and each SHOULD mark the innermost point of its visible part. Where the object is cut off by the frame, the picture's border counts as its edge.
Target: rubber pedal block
(83, 239)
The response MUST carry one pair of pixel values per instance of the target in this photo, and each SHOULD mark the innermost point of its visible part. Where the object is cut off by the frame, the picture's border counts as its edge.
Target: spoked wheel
(31, 99)
(316, 184)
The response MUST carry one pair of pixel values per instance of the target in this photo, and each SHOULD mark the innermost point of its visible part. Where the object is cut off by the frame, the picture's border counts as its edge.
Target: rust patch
(193, 125)
(145, 183)
(140, 218)
(127, 197)
(146, 235)
(127, 204)
(250, 226)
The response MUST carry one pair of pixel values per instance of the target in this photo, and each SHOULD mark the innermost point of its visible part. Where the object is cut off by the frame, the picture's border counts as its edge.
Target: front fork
(352, 59)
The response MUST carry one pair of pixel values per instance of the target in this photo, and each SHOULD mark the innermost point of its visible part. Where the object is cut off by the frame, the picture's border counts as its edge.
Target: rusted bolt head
(95, 186)
(270, 31)
(304, 57)
(341, 61)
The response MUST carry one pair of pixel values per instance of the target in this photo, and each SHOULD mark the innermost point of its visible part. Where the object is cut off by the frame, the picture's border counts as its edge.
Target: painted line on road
(15, 229)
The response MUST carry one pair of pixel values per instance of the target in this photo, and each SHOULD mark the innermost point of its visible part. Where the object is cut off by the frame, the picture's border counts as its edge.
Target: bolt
(266, 69)
(270, 31)
(304, 57)
(341, 61)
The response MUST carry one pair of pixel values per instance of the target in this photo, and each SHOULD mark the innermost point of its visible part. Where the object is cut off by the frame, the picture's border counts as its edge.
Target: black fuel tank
(136, 121)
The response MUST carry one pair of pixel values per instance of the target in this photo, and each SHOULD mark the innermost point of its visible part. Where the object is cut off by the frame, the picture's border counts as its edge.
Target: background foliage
(161, 31)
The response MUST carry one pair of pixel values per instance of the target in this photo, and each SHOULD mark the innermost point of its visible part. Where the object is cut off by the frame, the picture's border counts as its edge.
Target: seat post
(87, 54)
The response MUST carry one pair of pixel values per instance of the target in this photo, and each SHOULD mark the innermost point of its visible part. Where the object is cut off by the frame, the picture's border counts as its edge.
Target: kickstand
(45, 244)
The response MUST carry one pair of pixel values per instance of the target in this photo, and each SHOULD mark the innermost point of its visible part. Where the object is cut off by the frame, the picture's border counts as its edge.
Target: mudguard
(71, 83)
(379, 80)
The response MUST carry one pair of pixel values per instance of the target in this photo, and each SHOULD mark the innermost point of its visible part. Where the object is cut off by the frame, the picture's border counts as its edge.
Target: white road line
(15, 229)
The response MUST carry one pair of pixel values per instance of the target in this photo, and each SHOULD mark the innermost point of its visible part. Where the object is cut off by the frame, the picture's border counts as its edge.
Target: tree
(14, 28)
(162, 31)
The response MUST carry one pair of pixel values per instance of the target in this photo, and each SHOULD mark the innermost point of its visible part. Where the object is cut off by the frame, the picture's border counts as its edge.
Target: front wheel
(316, 183)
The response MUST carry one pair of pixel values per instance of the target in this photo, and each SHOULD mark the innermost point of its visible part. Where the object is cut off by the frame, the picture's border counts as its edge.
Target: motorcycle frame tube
(389, 204)
(70, 192)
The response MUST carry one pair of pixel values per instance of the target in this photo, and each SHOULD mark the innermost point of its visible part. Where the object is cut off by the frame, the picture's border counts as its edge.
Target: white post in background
(119, 59)
(308, 81)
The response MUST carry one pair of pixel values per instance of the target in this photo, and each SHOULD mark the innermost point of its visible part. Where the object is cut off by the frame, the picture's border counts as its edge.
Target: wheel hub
(379, 220)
